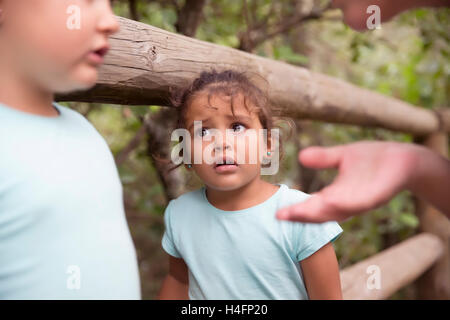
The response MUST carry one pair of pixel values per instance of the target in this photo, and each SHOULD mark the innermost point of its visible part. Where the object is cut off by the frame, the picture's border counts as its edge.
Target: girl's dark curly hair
(228, 83)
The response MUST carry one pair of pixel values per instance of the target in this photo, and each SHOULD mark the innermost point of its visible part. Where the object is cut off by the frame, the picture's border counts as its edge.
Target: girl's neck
(249, 195)
(21, 93)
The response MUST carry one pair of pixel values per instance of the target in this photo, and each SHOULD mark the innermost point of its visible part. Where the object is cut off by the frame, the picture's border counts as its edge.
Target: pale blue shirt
(244, 254)
(63, 232)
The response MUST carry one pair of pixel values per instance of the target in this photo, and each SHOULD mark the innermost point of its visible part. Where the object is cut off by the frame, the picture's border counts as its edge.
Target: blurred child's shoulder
(68, 112)
(290, 195)
(73, 116)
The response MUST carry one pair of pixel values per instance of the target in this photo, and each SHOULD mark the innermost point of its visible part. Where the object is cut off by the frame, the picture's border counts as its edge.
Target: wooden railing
(394, 267)
(146, 63)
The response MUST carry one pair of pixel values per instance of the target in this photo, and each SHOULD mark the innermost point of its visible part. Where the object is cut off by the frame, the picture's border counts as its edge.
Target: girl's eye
(202, 132)
(238, 127)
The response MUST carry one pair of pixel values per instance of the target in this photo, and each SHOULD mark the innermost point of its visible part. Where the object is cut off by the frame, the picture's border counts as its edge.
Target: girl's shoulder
(290, 196)
(186, 200)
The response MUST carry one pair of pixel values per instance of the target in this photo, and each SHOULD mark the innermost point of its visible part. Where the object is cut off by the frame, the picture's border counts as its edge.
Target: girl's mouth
(228, 165)
(226, 168)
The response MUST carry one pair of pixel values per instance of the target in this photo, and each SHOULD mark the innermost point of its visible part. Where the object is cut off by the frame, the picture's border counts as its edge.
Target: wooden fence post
(435, 282)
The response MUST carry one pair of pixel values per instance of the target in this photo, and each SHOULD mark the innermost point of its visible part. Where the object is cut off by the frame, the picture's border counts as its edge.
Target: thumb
(321, 158)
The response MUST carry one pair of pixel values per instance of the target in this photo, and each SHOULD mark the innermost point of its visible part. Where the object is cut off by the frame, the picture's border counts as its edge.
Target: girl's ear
(272, 143)
(269, 142)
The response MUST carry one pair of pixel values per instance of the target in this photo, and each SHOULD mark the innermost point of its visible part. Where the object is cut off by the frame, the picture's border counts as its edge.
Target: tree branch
(133, 144)
(258, 33)
(189, 17)
(132, 7)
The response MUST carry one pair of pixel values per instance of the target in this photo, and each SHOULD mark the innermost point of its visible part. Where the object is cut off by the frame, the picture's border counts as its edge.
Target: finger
(312, 210)
(321, 158)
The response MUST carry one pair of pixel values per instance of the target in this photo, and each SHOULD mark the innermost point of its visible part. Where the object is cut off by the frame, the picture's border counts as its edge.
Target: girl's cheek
(197, 147)
(208, 152)
(247, 148)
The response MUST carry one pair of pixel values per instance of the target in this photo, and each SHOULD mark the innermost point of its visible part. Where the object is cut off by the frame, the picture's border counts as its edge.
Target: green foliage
(286, 54)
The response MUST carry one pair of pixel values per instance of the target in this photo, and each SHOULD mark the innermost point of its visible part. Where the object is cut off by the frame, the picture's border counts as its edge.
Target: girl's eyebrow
(203, 121)
(231, 117)
(242, 118)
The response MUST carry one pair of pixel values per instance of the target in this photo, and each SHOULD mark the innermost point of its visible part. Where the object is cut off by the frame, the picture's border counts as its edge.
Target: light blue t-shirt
(63, 232)
(244, 254)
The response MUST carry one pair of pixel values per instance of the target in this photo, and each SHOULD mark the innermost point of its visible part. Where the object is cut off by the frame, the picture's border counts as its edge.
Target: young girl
(63, 233)
(224, 240)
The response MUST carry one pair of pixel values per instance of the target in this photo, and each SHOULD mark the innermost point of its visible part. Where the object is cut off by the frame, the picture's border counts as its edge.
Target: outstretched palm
(370, 173)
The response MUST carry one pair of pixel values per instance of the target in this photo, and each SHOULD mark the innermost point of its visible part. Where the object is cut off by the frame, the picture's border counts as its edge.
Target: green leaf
(409, 220)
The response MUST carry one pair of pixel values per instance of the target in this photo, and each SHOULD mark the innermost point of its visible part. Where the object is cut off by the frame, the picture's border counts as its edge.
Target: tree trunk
(435, 283)
(189, 17)
(158, 146)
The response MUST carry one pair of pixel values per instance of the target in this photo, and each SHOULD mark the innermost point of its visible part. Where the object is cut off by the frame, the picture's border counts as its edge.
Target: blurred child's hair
(230, 84)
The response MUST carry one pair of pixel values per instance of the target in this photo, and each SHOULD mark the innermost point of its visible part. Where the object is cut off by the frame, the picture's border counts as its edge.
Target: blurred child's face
(239, 147)
(56, 44)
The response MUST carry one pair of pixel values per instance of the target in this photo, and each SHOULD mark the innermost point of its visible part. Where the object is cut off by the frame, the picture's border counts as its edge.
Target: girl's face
(241, 145)
(57, 44)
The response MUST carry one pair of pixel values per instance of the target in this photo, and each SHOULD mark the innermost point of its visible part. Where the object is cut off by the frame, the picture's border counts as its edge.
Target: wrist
(415, 178)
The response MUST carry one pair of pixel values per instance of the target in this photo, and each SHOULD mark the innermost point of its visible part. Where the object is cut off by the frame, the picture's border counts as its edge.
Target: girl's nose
(222, 146)
(225, 147)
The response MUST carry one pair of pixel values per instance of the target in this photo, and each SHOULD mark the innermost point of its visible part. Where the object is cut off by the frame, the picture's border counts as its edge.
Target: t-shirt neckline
(246, 210)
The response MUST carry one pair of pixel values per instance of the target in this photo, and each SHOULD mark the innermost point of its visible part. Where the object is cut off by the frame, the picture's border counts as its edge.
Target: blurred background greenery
(407, 59)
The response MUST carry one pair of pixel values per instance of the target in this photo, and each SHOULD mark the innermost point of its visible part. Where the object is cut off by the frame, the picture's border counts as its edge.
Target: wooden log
(146, 62)
(398, 266)
(435, 283)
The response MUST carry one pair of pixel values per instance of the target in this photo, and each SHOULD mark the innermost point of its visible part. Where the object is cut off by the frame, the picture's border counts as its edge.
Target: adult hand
(370, 174)
(355, 11)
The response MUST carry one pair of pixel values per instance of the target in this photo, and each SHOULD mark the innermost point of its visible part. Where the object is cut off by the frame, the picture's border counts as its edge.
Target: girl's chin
(226, 184)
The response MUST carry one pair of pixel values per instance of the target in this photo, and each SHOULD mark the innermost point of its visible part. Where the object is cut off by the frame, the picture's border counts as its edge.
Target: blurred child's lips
(103, 50)
(97, 56)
